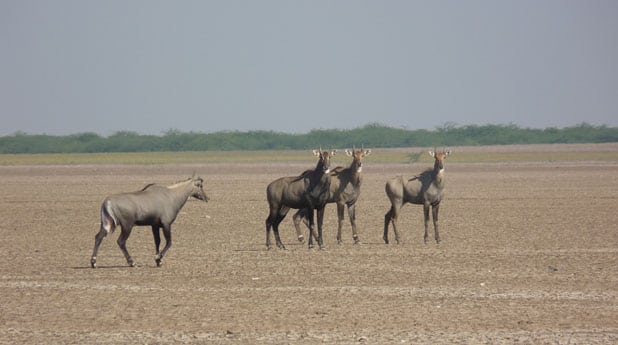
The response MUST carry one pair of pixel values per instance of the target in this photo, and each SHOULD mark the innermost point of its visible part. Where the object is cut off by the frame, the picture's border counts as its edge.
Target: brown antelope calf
(424, 189)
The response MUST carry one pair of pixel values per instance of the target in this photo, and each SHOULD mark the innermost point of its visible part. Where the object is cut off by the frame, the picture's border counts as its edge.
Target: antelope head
(439, 157)
(324, 159)
(198, 189)
(357, 157)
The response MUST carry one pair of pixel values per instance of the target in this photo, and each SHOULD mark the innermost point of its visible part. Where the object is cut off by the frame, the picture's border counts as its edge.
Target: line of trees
(371, 135)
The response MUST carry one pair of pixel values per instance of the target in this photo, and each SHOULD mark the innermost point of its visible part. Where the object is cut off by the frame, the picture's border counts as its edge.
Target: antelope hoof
(301, 238)
(93, 262)
(357, 240)
(385, 239)
(131, 262)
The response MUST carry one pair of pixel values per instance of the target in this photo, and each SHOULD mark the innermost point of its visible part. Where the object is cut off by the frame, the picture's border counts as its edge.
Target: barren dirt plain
(529, 254)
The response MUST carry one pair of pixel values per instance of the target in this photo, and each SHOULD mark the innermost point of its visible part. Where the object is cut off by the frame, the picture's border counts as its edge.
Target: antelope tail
(108, 220)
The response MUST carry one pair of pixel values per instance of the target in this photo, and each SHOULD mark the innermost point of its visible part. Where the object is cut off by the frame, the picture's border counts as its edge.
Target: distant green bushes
(371, 135)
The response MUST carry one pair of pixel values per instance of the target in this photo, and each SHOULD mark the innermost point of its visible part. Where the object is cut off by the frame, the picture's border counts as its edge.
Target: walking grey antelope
(344, 190)
(154, 205)
(306, 191)
(424, 189)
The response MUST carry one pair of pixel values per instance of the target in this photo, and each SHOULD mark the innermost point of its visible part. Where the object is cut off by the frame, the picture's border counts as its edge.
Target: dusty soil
(529, 254)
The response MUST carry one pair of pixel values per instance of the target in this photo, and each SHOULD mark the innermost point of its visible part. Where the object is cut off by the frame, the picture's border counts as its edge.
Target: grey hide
(154, 205)
(308, 190)
(424, 189)
(344, 190)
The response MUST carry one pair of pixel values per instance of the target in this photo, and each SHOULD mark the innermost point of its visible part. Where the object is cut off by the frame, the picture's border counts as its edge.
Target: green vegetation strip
(293, 156)
(371, 135)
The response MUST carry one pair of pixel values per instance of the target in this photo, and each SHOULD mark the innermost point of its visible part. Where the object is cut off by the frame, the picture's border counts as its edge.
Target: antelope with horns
(345, 187)
(306, 191)
(424, 189)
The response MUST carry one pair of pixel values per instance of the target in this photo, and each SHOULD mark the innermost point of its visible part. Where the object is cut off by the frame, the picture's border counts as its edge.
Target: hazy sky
(205, 66)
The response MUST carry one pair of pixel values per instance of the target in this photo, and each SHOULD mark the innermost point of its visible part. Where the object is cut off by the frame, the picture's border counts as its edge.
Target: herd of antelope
(158, 206)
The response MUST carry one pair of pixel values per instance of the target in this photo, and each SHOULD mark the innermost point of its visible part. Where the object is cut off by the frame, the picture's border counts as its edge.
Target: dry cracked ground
(529, 254)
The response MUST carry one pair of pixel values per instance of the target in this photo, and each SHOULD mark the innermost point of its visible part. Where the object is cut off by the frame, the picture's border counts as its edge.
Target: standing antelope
(424, 189)
(344, 190)
(154, 205)
(308, 190)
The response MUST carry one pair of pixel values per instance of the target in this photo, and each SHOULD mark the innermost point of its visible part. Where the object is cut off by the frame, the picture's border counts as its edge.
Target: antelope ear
(316, 152)
(432, 154)
(367, 152)
(348, 152)
(333, 152)
(447, 152)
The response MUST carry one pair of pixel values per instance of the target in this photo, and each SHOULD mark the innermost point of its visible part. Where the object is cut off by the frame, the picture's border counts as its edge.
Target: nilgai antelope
(154, 205)
(306, 191)
(344, 190)
(424, 189)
